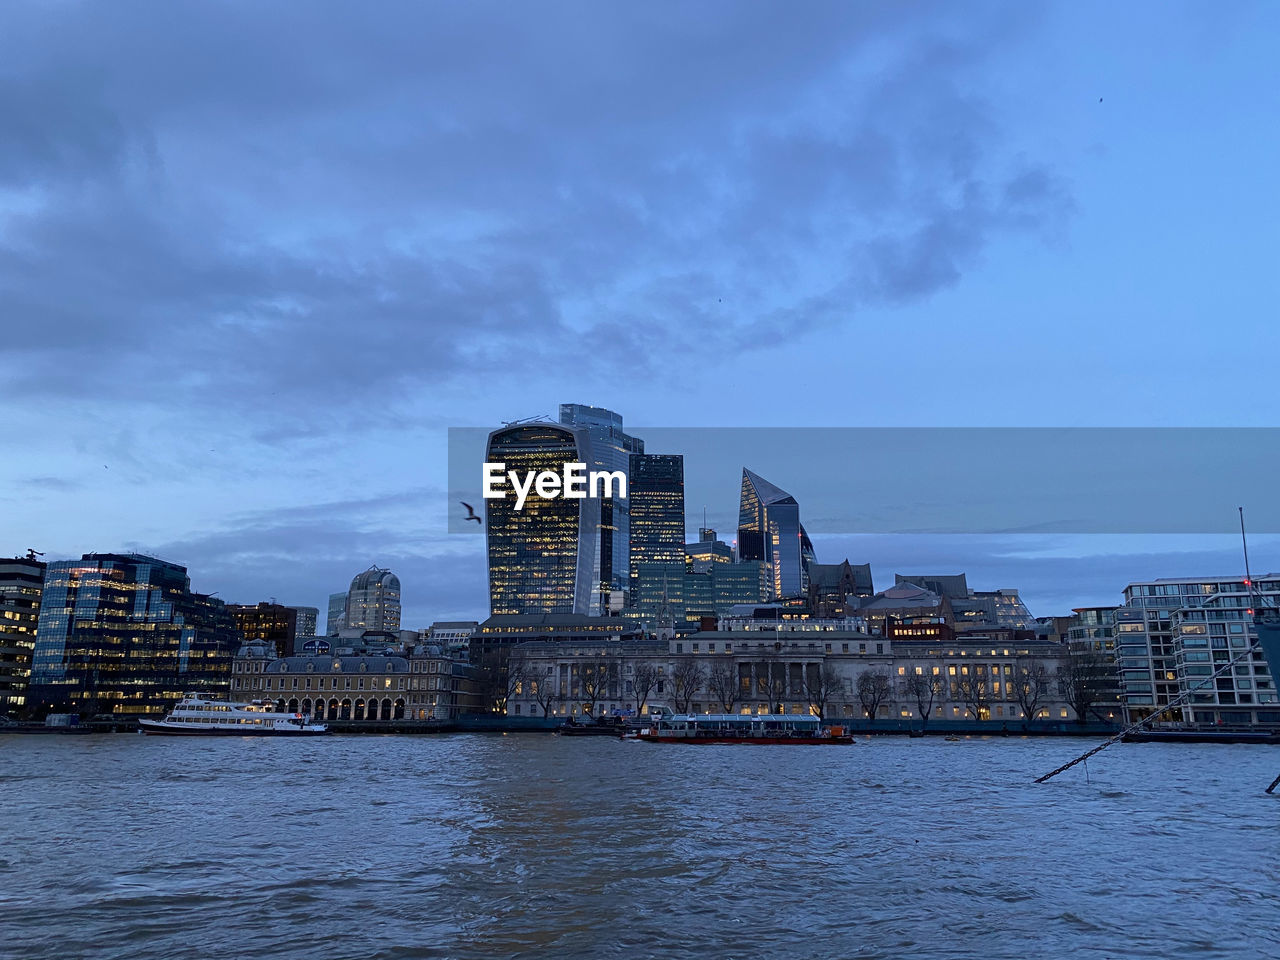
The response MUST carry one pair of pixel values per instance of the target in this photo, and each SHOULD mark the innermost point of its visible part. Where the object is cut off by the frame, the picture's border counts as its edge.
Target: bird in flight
(471, 513)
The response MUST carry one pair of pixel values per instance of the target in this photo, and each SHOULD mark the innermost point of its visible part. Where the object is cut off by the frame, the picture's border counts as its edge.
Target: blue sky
(255, 261)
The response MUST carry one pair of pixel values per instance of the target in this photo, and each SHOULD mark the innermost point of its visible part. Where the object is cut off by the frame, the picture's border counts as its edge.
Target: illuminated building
(268, 622)
(769, 530)
(419, 682)
(21, 582)
(307, 618)
(1172, 635)
(373, 602)
(656, 494)
(123, 633)
(609, 448)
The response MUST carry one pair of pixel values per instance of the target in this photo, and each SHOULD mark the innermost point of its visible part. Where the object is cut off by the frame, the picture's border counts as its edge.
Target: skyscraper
(655, 491)
(124, 633)
(769, 529)
(543, 558)
(609, 448)
(21, 583)
(560, 555)
(373, 602)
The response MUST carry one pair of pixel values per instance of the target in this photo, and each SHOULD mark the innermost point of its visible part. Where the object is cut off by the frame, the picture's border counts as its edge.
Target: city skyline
(1016, 245)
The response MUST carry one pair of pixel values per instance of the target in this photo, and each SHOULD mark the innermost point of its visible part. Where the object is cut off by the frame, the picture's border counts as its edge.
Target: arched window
(344, 711)
(399, 712)
(386, 709)
(306, 707)
(360, 710)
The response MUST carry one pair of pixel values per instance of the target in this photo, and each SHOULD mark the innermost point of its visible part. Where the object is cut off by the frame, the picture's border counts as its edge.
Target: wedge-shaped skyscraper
(769, 529)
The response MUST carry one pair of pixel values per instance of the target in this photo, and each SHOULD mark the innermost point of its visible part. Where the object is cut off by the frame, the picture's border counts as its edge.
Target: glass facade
(607, 447)
(769, 530)
(535, 561)
(656, 494)
(21, 584)
(1171, 636)
(123, 633)
(337, 618)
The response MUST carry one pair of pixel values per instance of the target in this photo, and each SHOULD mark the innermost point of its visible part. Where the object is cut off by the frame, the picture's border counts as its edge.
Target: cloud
(250, 208)
(301, 554)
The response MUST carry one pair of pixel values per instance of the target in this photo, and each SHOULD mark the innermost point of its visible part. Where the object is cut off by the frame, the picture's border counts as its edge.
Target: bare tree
(926, 689)
(722, 683)
(1031, 687)
(687, 678)
(594, 677)
(822, 683)
(544, 693)
(644, 677)
(973, 689)
(873, 687)
(771, 680)
(500, 678)
(1084, 678)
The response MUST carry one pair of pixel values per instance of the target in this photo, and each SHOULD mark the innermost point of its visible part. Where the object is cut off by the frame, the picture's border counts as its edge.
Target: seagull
(471, 513)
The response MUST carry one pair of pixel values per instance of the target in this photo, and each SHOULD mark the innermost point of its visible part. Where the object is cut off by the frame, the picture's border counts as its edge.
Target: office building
(769, 530)
(336, 621)
(307, 619)
(373, 602)
(21, 584)
(267, 622)
(609, 448)
(655, 492)
(124, 633)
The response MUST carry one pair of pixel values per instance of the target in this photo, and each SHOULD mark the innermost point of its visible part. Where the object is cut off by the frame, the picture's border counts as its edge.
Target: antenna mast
(1248, 577)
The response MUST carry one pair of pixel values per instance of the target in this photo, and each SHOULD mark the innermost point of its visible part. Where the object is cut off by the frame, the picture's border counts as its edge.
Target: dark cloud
(310, 207)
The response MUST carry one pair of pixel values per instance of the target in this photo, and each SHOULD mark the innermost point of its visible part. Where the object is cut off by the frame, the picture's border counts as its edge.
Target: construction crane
(540, 418)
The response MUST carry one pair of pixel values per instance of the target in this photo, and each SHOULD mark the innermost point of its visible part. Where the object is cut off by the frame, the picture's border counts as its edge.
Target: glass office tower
(655, 491)
(769, 530)
(544, 558)
(123, 633)
(607, 447)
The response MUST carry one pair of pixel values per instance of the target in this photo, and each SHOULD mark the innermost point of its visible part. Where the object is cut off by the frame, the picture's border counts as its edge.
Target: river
(476, 845)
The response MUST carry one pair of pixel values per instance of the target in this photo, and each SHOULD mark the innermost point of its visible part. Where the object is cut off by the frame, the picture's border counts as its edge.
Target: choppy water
(481, 846)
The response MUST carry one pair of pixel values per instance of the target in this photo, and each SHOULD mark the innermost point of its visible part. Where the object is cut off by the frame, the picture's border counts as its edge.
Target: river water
(491, 846)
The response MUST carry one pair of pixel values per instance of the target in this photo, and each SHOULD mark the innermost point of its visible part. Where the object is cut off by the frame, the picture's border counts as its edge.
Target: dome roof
(375, 576)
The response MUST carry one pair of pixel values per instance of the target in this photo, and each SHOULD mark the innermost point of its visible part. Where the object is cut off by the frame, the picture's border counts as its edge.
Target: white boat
(197, 715)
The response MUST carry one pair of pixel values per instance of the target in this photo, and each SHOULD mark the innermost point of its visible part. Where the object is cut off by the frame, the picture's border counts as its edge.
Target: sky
(255, 260)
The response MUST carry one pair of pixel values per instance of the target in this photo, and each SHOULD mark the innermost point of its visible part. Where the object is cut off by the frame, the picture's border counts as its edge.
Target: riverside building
(1173, 634)
(763, 662)
(124, 633)
(21, 585)
(418, 682)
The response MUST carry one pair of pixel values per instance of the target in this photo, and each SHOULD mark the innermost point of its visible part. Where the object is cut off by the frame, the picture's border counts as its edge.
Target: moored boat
(599, 727)
(760, 729)
(197, 715)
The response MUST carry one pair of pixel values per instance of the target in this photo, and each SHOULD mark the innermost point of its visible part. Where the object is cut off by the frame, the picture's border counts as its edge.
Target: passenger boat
(765, 728)
(197, 715)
